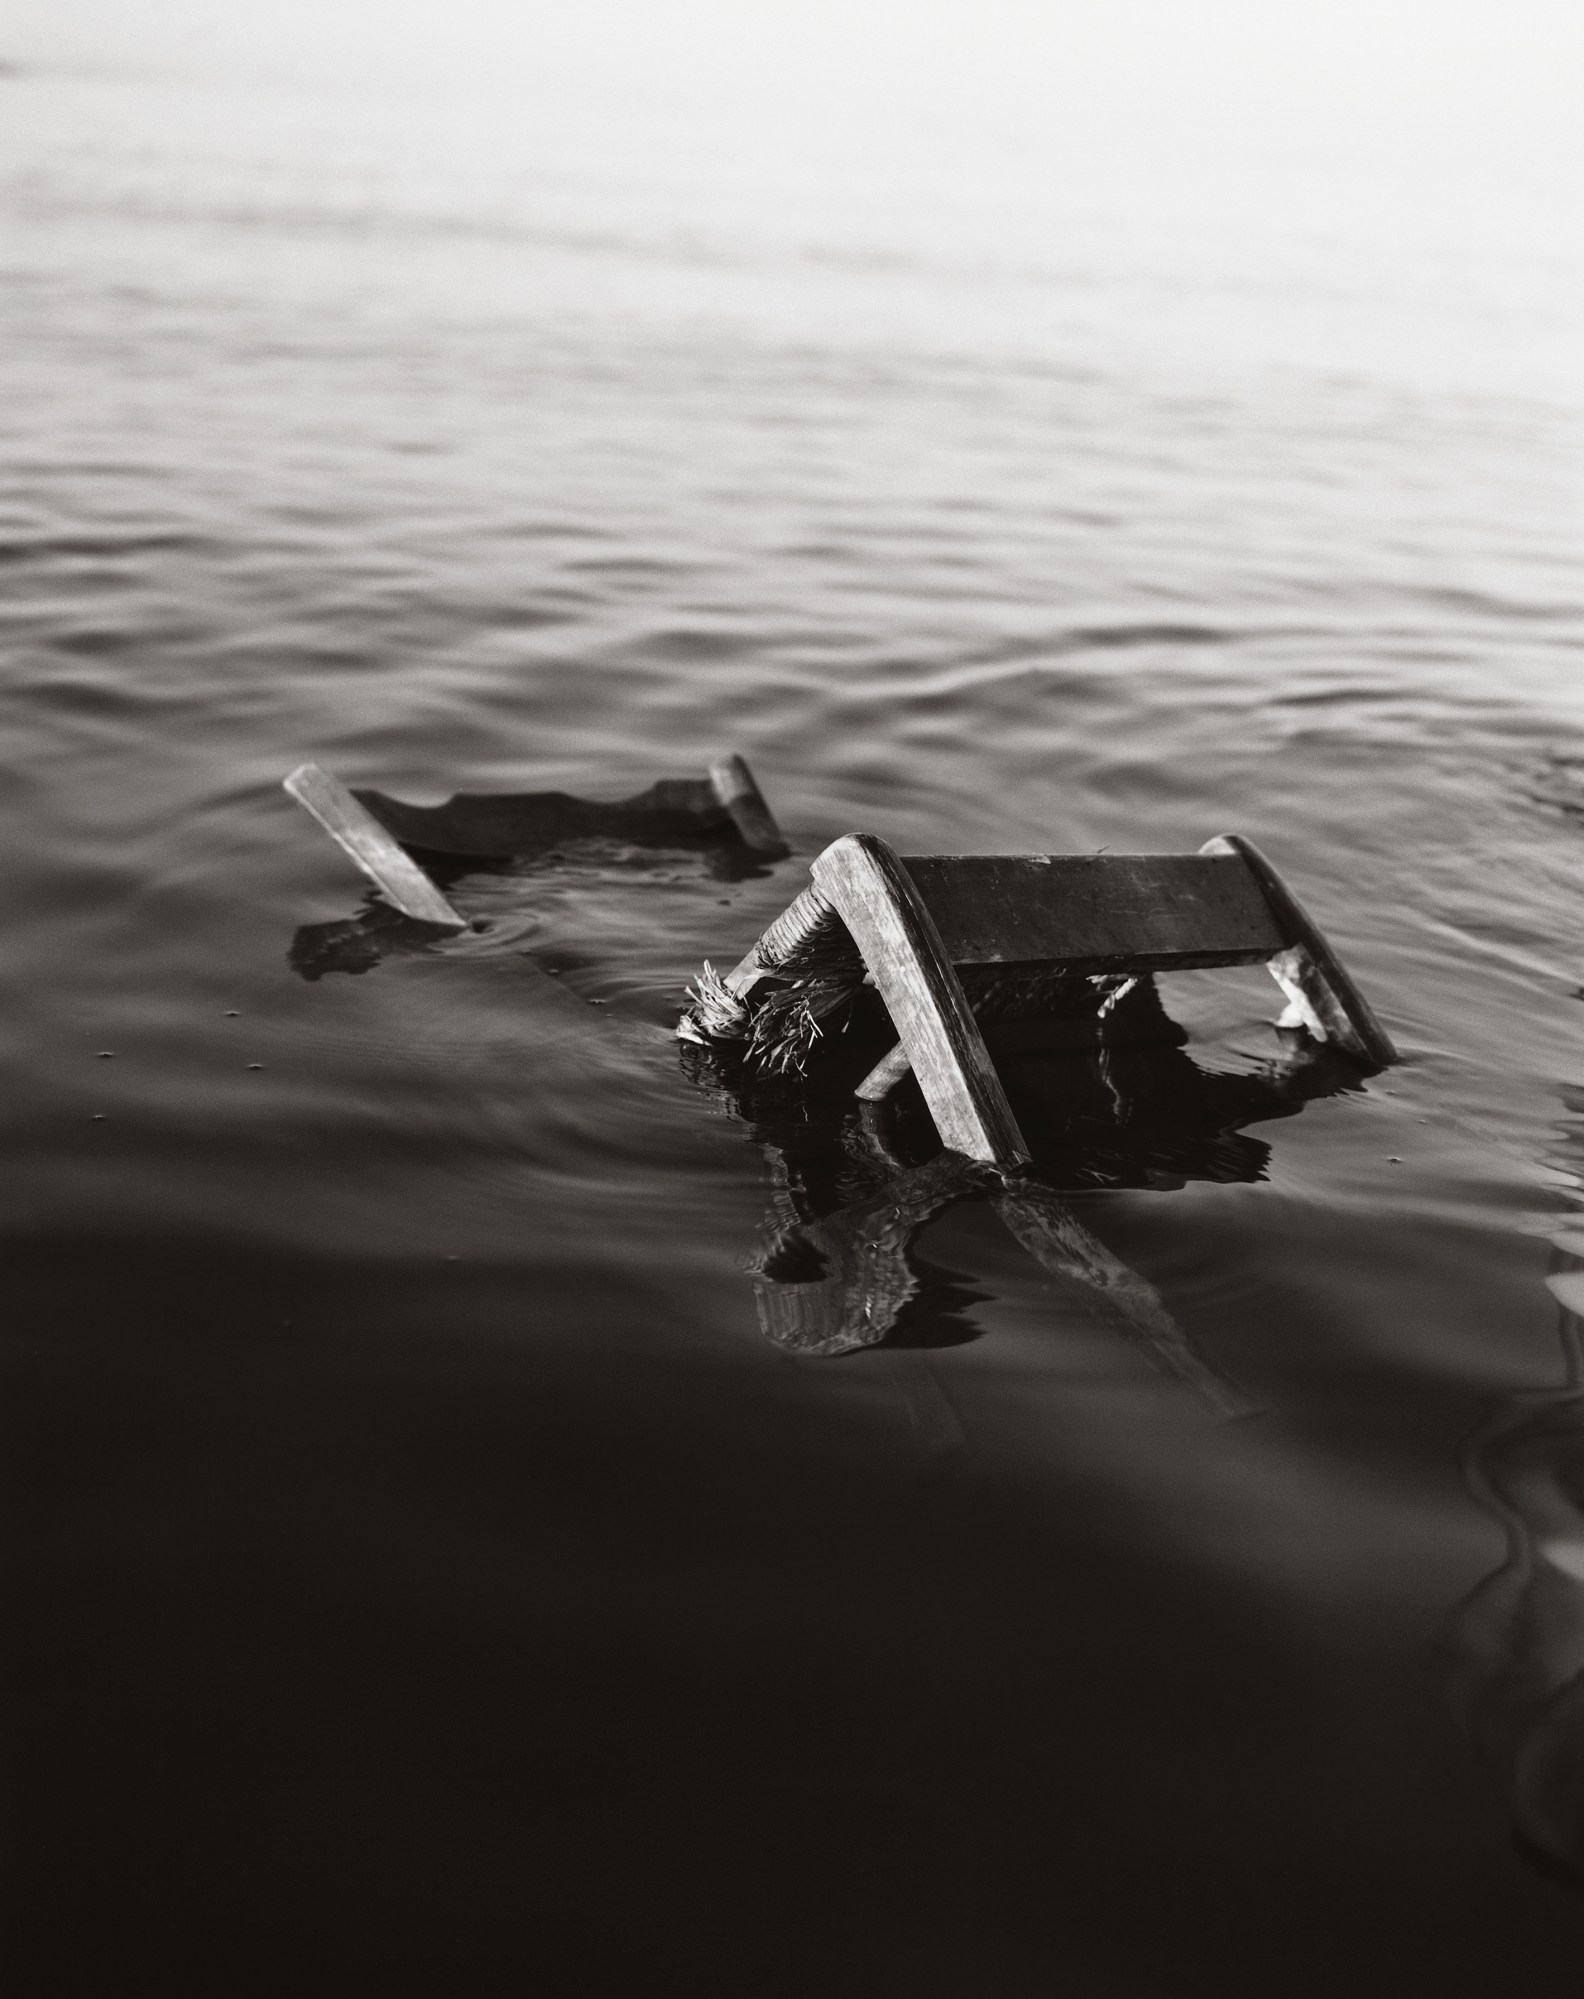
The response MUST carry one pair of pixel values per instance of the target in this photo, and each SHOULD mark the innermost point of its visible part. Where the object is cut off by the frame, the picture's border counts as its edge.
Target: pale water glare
(1014, 428)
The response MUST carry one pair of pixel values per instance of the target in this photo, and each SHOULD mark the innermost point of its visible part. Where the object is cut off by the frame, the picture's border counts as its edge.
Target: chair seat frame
(1226, 905)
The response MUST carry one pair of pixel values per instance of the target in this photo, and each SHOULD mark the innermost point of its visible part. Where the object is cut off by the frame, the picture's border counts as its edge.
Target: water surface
(426, 1566)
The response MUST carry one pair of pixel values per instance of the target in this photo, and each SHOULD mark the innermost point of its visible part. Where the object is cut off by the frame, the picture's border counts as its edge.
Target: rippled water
(429, 1566)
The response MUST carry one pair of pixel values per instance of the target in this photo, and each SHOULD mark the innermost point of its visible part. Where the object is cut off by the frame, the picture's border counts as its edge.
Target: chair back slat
(1097, 912)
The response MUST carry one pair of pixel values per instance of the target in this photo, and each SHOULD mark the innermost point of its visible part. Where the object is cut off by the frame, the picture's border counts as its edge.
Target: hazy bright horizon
(1422, 154)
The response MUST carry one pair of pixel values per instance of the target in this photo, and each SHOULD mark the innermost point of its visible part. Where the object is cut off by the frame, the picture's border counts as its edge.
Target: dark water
(424, 1569)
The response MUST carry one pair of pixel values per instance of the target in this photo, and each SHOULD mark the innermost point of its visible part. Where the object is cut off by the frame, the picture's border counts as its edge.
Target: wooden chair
(918, 923)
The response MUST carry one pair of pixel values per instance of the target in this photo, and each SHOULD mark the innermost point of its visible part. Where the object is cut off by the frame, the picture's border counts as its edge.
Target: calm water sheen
(426, 1571)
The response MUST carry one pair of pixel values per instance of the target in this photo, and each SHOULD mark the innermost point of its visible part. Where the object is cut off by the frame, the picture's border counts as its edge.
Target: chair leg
(874, 895)
(734, 786)
(360, 835)
(1310, 973)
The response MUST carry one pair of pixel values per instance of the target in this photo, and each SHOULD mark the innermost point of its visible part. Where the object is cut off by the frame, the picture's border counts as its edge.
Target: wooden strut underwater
(916, 921)
(372, 828)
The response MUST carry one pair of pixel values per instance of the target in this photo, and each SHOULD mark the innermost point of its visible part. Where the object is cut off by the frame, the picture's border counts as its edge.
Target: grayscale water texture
(425, 1567)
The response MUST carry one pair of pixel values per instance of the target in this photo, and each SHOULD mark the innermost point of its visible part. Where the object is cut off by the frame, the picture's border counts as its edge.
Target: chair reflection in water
(1517, 1641)
(980, 971)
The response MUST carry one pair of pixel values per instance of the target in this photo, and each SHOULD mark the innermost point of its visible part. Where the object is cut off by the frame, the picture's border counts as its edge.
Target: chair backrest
(375, 830)
(1097, 912)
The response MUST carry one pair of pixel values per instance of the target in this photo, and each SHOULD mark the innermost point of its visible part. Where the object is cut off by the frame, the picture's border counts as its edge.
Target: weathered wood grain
(1097, 912)
(734, 786)
(875, 897)
(1306, 968)
(398, 878)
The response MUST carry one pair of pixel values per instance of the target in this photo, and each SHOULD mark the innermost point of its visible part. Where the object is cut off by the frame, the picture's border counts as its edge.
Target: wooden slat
(399, 879)
(1097, 912)
(876, 899)
(1308, 970)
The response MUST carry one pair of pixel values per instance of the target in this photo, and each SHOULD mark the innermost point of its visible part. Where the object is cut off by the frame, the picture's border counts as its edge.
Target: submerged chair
(962, 948)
